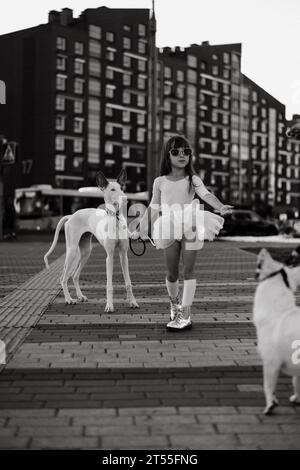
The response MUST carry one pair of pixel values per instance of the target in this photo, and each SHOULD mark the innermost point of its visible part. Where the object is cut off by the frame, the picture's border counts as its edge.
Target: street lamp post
(152, 141)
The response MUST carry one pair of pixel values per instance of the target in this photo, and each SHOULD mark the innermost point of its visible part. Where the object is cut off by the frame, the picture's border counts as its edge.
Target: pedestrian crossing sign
(9, 153)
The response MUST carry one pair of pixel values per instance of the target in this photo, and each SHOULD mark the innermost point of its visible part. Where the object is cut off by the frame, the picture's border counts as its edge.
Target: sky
(268, 30)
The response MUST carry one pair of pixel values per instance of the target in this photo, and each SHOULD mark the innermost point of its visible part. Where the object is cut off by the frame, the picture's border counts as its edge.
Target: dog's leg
(295, 398)
(271, 372)
(71, 263)
(72, 257)
(125, 269)
(85, 246)
(109, 276)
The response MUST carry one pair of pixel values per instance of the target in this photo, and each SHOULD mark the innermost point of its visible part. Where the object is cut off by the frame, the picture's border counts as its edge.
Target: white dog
(109, 227)
(277, 321)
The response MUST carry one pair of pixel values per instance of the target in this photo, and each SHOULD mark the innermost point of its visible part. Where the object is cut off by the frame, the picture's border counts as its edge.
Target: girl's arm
(210, 198)
(152, 210)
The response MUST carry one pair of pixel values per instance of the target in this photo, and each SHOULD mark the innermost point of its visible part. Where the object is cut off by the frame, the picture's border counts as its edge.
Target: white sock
(172, 288)
(189, 288)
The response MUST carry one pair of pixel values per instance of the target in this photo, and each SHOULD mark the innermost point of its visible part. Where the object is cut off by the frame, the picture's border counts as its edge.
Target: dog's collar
(114, 214)
(284, 276)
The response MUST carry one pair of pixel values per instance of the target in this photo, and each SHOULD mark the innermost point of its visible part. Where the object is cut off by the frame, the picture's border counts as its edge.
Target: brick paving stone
(120, 380)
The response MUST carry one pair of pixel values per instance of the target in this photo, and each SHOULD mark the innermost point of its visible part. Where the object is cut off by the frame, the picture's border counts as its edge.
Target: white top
(176, 194)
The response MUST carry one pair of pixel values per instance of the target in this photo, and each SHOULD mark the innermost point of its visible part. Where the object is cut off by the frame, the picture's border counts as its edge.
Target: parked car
(247, 222)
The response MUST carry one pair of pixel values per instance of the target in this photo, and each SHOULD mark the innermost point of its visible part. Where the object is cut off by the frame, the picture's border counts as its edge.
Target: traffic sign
(9, 153)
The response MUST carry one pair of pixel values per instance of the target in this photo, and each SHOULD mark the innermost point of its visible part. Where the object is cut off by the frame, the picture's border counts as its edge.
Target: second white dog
(277, 321)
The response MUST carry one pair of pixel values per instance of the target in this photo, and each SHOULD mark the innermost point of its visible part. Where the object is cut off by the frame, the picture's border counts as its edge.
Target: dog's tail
(59, 226)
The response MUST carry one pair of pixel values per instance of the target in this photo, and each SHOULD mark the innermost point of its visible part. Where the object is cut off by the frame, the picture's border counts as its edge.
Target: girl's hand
(139, 234)
(226, 210)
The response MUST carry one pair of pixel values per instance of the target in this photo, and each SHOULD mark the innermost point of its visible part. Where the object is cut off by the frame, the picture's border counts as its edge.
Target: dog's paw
(133, 304)
(295, 399)
(83, 298)
(109, 308)
(71, 301)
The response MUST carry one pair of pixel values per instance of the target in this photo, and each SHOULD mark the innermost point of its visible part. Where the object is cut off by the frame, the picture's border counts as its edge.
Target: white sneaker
(174, 307)
(180, 323)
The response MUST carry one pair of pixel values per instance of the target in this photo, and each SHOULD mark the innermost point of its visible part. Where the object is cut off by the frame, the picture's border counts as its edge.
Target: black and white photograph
(149, 228)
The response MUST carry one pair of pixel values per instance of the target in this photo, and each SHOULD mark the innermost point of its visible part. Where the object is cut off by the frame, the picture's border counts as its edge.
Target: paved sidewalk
(82, 378)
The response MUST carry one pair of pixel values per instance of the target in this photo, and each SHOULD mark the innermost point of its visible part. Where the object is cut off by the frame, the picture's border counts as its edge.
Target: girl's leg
(189, 285)
(172, 258)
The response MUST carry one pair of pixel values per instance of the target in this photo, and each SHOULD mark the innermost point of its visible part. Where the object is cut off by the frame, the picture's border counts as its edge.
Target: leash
(140, 240)
(284, 276)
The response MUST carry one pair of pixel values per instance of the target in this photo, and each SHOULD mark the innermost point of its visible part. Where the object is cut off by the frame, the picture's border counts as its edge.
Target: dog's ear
(101, 180)
(122, 178)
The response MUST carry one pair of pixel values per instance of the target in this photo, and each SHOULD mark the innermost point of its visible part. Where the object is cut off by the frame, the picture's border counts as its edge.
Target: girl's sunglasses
(187, 152)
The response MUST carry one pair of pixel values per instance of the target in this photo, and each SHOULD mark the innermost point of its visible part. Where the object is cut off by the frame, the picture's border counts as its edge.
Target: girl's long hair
(176, 141)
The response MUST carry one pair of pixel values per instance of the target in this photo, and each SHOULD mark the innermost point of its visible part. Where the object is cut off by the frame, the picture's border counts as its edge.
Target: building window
(109, 73)
(141, 118)
(109, 111)
(109, 148)
(79, 66)
(61, 62)
(225, 88)
(192, 76)
(126, 79)
(141, 65)
(226, 73)
(126, 27)
(141, 47)
(126, 97)
(60, 123)
(110, 55)
(254, 96)
(60, 162)
(214, 101)
(141, 135)
(77, 145)
(95, 67)
(226, 58)
(110, 37)
(79, 48)
(126, 43)
(60, 103)
(215, 70)
(61, 82)
(110, 91)
(142, 30)
(109, 130)
(94, 48)
(168, 72)
(126, 116)
(59, 142)
(167, 122)
(179, 109)
(126, 133)
(215, 57)
(215, 85)
(141, 83)
(78, 125)
(95, 31)
(125, 151)
(180, 76)
(225, 119)
(77, 163)
(78, 107)
(61, 43)
(179, 125)
(127, 61)
(192, 61)
(203, 65)
(78, 86)
(180, 91)
(141, 101)
(203, 81)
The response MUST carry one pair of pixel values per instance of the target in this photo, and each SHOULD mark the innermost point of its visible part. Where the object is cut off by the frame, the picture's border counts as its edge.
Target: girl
(174, 231)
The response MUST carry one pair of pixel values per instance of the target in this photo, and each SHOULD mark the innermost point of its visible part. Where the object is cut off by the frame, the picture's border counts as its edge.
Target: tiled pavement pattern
(88, 379)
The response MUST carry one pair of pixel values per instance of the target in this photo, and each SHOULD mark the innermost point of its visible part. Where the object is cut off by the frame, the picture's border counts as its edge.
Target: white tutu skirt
(192, 223)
